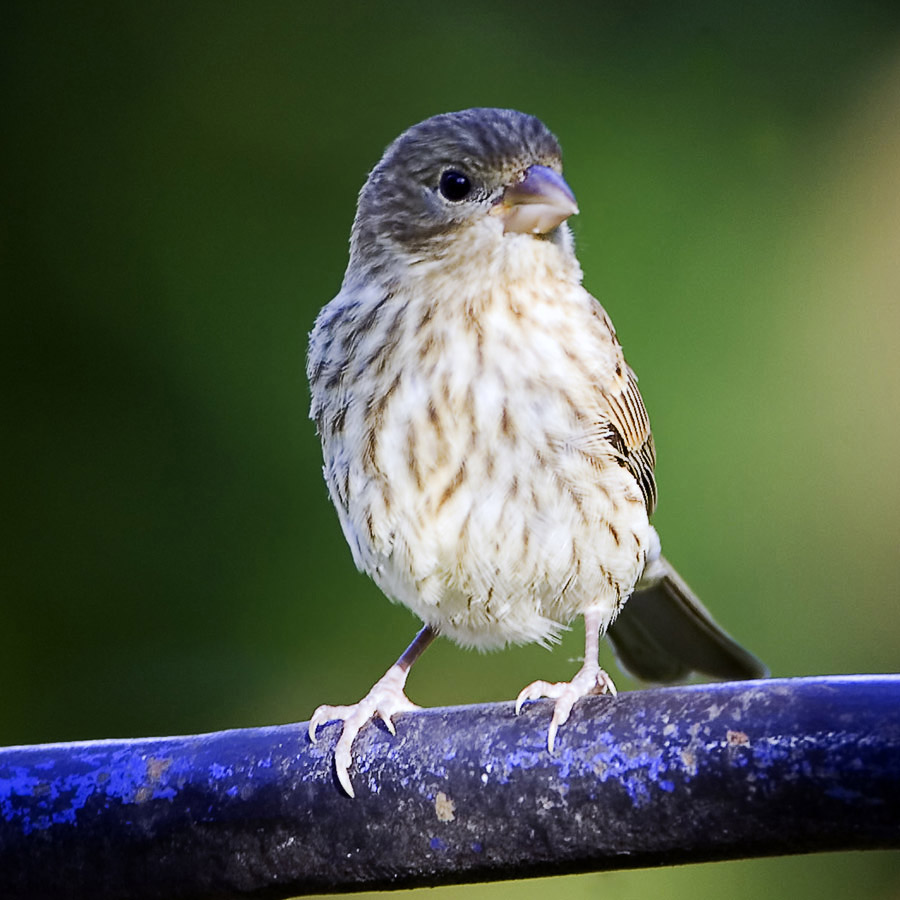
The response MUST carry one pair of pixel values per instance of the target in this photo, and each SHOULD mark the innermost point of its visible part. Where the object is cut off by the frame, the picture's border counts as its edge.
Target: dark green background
(178, 182)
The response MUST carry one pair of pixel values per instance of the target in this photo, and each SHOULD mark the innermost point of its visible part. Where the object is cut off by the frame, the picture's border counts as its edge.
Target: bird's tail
(664, 633)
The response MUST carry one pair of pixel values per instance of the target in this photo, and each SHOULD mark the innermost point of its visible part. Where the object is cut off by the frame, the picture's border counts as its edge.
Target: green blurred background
(178, 186)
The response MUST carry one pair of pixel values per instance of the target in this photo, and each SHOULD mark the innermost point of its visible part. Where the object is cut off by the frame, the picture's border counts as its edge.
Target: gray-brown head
(450, 172)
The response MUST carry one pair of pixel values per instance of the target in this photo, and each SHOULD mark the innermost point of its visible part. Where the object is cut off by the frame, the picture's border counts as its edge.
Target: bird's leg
(385, 700)
(590, 679)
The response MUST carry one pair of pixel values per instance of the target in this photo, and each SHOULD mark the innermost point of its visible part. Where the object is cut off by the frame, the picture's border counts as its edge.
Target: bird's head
(461, 183)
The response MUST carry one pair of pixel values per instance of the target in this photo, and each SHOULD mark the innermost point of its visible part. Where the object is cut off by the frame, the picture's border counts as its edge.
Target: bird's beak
(538, 203)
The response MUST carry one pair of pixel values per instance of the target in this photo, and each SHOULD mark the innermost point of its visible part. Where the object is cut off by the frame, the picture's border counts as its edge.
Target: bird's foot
(385, 700)
(591, 679)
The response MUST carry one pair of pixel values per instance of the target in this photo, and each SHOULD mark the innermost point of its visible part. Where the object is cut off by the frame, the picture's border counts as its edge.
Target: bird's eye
(454, 185)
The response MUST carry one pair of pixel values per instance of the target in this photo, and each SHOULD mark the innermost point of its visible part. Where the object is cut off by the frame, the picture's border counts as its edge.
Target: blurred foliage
(178, 182)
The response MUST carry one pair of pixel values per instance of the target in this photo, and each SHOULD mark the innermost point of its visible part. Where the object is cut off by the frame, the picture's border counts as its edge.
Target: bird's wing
(664, 633)
(628, 426)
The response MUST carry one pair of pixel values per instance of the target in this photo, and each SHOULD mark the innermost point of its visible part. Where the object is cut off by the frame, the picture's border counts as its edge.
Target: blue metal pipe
(463, 794)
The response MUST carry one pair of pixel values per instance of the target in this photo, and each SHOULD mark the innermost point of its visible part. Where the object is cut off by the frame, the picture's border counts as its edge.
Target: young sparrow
(485, 443)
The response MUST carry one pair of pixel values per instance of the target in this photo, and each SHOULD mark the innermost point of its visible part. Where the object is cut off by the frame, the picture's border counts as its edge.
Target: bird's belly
(490, 524)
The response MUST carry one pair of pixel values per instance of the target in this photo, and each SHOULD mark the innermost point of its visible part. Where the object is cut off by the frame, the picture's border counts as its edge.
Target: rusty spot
(444, 807)
(157, 767)
(736, 738)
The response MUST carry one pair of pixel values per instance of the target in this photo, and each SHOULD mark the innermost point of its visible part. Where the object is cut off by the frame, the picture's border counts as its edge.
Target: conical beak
(538, 203)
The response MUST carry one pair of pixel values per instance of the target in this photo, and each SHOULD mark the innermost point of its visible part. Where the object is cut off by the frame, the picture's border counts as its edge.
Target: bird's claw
(385, 700)
(589, 680)
(323, 714)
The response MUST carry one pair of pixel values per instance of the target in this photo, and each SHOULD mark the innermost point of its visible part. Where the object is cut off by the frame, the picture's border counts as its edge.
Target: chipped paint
(444, 807)
(716, 763)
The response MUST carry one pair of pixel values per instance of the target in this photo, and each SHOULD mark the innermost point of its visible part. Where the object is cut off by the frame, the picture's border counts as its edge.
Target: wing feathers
(664, 633)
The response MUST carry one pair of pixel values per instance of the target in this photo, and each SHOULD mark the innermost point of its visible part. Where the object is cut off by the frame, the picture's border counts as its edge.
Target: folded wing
(664, 633)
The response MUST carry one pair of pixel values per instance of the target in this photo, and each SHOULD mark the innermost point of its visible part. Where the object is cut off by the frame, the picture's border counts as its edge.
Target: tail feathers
(664, 633)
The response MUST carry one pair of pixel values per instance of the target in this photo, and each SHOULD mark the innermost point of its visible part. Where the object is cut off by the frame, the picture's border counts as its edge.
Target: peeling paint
(444, 808)
(481, 778)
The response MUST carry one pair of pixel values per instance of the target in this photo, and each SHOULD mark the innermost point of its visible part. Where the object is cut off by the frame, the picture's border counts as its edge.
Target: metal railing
(464, 794)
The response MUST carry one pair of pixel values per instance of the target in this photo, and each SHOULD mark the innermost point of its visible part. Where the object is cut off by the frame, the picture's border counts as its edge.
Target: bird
(484, 441)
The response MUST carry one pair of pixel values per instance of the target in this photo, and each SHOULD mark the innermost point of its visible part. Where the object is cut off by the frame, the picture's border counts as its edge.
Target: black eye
(454, 185)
